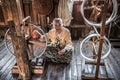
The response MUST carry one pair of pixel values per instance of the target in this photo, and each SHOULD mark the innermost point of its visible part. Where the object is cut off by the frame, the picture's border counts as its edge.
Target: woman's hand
(61, 52)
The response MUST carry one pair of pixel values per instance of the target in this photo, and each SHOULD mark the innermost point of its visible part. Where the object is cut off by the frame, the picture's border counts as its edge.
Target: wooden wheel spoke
(94, 48)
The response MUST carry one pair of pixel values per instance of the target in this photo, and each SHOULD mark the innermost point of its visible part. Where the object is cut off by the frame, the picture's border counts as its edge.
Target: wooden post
(30, 47)
(102, 33)
(34, 13)
(43, 22)
(4, 10)
(19, 4)
(9, 13)
(28, 12)
(27, 7)
(20, 52)
(17, 13)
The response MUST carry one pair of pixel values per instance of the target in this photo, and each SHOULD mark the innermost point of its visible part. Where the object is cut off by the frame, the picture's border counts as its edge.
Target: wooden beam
(17, 13)
(9, 13)
(43, 21)
(4, 26)
(4, 10)
(102, 33)
(20, 10)
(94, 63)
(92, 77)
(35, 14)
(28, 12)
(20, 52)
(35, 70)
(27, 7)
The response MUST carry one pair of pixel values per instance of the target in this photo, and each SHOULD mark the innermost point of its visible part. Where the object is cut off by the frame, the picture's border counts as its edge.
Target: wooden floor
(71, 71)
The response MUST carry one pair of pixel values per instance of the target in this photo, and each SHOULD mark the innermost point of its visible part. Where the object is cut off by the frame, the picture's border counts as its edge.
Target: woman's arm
(38, 44)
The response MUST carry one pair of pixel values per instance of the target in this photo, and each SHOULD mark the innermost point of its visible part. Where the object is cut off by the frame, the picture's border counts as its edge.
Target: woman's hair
(58, 20)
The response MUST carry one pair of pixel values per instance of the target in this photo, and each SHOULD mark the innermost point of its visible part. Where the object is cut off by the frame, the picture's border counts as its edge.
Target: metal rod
(26, 18)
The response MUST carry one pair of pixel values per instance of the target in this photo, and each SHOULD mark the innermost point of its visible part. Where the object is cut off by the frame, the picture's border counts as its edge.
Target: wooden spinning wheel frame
(96, 10)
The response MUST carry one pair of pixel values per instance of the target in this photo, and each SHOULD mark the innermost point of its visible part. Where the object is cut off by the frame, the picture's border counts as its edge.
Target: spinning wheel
(88, 45)
(20, 45)
(96, 46)
(96, 9)
(117, 21)
(41, 50)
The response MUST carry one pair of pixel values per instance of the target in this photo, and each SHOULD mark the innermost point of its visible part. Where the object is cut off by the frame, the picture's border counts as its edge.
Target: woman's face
(57, 26)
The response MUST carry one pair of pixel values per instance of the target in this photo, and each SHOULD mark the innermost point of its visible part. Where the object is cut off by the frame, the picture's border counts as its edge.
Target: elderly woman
(61, 47)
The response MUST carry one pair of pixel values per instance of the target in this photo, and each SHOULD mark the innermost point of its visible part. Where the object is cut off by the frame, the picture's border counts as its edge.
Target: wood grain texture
(70, 71)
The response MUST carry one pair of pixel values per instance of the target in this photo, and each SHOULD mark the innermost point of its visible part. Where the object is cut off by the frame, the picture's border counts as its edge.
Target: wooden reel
(88, 45)
(96, 10)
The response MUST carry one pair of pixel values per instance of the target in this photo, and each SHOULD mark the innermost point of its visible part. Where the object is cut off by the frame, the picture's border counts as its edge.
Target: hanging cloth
(65, 8)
